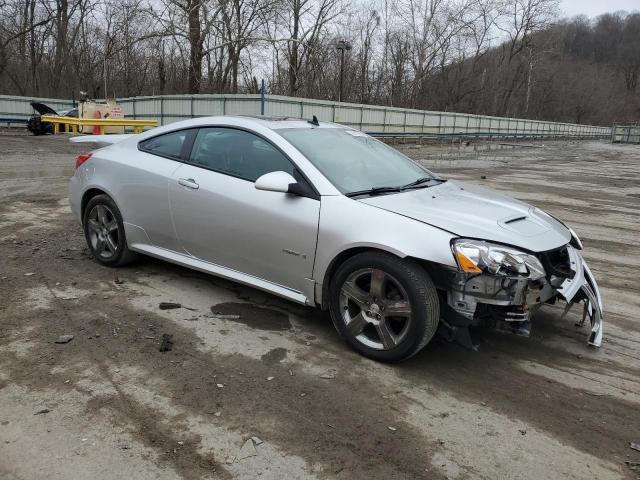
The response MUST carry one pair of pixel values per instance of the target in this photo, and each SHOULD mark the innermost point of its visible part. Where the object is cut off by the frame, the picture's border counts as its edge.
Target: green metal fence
(378, 120)
(625, 134)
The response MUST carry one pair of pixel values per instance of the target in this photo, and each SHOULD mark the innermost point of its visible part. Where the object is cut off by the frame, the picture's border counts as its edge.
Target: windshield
(352, 160)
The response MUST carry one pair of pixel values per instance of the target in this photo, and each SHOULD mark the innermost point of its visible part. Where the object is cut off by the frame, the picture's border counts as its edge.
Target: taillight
(82, 158)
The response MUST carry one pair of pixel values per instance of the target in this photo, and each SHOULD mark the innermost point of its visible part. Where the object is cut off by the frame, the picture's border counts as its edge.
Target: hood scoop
(517, 219)
(524, 225)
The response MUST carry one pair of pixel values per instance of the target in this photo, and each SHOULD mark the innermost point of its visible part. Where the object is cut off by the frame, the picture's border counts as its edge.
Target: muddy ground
(274, 393)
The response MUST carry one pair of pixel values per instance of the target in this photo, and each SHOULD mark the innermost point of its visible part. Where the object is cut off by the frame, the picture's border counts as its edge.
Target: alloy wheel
(375, 308)
(103, 231)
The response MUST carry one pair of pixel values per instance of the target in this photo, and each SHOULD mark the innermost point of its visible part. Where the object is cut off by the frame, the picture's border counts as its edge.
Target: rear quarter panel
(138, 184)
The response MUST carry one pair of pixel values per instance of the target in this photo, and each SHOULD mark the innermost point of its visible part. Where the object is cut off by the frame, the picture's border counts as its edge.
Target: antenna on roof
(314, 121)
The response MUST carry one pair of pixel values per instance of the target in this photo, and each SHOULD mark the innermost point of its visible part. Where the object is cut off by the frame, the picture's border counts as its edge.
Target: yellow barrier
(138, 125)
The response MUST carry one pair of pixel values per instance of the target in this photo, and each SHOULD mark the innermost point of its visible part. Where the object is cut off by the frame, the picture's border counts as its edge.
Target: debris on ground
(221, 316)
(28, 274)
(635, 446)
(328, 375)
(270, 378)
(169, 305)
(42, 412)
(247, 450)
(256, 440)
(116, 279)
(167, 343)
(68, 297)
(64, 338)
(393, 429)
(483, 177)
(635, 466)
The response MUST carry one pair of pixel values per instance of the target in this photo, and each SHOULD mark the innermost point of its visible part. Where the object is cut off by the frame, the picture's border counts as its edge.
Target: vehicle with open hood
(35, 124)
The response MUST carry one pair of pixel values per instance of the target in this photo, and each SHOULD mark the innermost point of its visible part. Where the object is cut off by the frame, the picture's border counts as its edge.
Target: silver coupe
(327, 216)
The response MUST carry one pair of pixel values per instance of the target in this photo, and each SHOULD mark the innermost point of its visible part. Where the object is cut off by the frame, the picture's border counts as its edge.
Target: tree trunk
(293, 50)
(62, 33)
(195, 44)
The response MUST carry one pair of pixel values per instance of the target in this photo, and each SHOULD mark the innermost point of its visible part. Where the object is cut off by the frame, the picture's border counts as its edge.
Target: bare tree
(500, 57)
(303, 23)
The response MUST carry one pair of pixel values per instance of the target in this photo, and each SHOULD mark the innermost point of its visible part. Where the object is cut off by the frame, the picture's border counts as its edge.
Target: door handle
(189, 183)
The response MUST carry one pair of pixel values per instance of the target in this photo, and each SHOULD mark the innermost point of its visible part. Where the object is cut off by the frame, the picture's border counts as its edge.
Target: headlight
(478, 256)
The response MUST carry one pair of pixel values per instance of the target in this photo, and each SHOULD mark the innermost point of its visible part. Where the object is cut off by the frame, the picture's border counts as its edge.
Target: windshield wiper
(400, 188)
(374, 191)
(421, 181)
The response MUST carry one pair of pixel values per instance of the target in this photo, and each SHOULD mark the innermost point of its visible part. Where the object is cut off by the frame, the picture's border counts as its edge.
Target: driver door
(221, 218)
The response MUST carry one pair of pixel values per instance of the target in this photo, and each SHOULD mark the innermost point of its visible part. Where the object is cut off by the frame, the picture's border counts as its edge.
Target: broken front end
(503, 287)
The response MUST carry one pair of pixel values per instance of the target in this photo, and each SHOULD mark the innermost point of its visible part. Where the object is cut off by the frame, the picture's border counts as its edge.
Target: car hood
(475, 212)
(43, 109)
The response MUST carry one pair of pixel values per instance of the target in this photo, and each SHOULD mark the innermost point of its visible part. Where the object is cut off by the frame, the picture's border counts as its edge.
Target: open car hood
(475, 212)
(43, 109)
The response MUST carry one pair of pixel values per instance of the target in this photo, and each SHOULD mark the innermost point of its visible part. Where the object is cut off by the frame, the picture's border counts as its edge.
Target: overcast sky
(593, 8)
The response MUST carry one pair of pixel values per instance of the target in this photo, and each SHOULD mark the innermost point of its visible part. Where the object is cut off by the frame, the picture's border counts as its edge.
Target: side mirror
(275, 182)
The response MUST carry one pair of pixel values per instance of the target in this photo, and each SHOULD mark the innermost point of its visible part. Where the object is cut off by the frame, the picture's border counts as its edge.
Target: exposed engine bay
(506, 300)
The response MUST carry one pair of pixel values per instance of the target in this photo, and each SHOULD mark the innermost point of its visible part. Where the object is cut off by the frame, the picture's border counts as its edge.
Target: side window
(238, 153)
(167, 145)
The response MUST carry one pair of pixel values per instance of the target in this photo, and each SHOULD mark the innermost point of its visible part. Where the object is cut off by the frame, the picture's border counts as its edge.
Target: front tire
(385, 307)
(104, 232)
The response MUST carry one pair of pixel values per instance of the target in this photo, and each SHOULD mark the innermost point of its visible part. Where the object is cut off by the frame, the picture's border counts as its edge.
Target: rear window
(167, 145)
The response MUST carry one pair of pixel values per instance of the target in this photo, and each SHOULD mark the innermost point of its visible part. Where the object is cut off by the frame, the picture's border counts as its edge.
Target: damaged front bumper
(583, 288)
(508, 302)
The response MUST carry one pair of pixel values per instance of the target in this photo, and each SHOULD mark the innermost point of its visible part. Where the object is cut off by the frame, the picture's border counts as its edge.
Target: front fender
(346, 224)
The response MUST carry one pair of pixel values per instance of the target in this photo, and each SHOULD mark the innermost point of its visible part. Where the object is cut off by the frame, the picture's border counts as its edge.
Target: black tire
(404, 283)
(106, 239)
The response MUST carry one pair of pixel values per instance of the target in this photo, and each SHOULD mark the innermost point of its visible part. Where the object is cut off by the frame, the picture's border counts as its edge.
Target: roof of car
(246, 121)
(280, 122)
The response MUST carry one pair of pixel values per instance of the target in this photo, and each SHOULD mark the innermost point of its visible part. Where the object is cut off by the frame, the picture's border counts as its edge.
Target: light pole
(341, 46)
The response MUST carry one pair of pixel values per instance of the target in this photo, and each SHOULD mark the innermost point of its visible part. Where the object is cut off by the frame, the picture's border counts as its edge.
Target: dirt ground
(274, 393)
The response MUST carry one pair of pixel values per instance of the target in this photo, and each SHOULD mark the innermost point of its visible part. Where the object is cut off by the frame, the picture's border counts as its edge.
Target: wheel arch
(342, 257)
(92, 192)
(434, 269)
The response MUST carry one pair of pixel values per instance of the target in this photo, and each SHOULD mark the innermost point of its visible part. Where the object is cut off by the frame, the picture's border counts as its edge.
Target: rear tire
(385, 307)
(104, 232)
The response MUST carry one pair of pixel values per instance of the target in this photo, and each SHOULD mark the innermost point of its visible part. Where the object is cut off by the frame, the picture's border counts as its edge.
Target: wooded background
(512, 58)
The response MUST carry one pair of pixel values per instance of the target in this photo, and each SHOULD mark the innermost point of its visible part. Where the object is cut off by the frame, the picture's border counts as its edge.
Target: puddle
(254, 316)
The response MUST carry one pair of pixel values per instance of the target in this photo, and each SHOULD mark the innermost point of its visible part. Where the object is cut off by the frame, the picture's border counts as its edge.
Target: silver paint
(226, 226)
